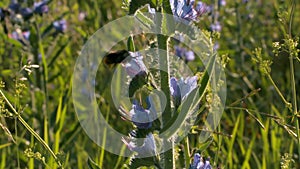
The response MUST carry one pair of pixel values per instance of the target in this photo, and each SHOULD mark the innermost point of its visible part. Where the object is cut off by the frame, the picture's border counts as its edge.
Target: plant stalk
(27, 126)
(292, 73)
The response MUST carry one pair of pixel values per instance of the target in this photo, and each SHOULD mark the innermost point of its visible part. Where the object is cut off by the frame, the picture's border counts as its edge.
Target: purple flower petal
(60, 26)
(189, 55)
(135, 65)
(147, 149)
(41, 7)
(185, 9)
(141, 117)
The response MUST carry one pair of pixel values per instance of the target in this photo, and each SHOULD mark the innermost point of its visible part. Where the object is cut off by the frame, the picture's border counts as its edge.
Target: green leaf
(178, 119)
(145, 20)
(130, 44)
(137, 4)
(136, 83)
(139, 162)
(167, 6)
(92, 164)
(15, 42)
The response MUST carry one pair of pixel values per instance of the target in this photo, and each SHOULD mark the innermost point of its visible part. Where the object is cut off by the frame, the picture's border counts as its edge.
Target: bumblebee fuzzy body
(115, 57)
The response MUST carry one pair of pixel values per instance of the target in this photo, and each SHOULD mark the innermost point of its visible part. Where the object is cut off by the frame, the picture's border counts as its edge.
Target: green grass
(258, 127)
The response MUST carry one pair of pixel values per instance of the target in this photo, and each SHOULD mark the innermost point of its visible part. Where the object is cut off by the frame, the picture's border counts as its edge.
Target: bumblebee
(115, 58)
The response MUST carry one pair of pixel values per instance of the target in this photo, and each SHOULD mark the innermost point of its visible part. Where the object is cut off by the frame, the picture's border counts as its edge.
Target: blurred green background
(256, 129)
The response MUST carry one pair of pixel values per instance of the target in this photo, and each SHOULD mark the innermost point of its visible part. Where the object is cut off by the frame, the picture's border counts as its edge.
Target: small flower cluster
(188, 10)
(60, 25)
(141, 117)
(16, 9)
(17, 14)
(200, 162)
(181, 52)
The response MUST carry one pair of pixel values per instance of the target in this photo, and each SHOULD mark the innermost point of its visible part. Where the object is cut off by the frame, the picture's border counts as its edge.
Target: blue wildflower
(41, 7)
(20, 36)
(26, 34)
(199, 163)
(187, 85)
(216, 27)
(181, 52)
(14, 6)
(180, 89)
(148, 148)
(189, 55)
(202, 8)
(26, 12)
(141, 117)
(175, 90)
(135, 64)
(185, 9)
(60, 26)
(216, 46)
(207, 164)
(222, 2)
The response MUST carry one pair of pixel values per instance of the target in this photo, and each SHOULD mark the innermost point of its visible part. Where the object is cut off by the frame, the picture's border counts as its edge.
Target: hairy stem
(293, 84)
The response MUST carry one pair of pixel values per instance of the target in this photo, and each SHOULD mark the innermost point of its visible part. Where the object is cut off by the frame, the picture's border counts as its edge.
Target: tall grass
(260, 124)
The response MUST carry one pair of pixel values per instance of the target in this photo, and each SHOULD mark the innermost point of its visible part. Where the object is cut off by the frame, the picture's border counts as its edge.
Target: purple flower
(14, 6)
(148, 148)
(216, 46)
(199, 163)
(180, 89)
(181, 52)
(135, 64)
(202, 8)
(41, 7)
(20, 36)
(141, 117)
(222, 2)
(189, 55)
(26, 34)
(185, 9)
(207, 164)
(26, 12)
(175, 91)
(216, 27)
(60, 26)
(197, 159)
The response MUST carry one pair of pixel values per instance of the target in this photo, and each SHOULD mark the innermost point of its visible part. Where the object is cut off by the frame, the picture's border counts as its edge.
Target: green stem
(287, 104)
(187, 153)
(164, 80)
(162, 40)
(27, 126)
(293, 84)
